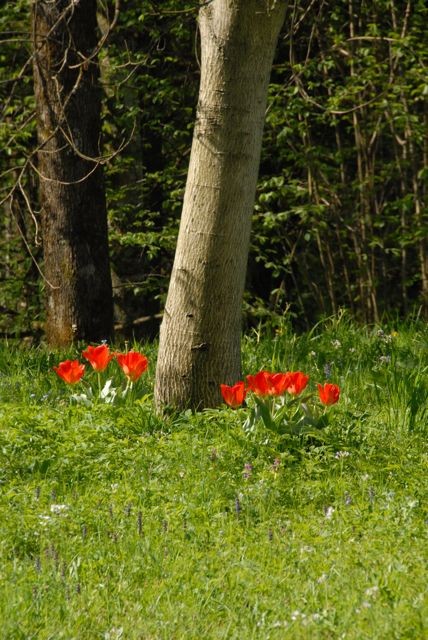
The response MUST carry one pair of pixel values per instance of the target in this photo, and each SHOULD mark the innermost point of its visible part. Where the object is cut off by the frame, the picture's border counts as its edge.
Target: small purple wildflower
(327, 370)
(248, 470)
(238, 507)
(276, 464)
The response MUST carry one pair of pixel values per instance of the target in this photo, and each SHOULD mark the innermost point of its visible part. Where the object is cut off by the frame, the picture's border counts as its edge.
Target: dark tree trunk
(74, 218)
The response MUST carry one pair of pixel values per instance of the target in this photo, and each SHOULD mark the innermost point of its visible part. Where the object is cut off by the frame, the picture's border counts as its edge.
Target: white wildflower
(341, 454)
(58, 508)
(328, 511)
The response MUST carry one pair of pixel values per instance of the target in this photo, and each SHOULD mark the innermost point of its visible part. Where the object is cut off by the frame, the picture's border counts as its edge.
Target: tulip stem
(128, 387)
(99, 385)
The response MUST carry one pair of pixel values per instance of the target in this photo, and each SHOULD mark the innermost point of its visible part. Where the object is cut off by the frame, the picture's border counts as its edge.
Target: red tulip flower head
(265, 383)
(233, 396)
(328, 393)
(99, 357)
(259, 383)
(279, 383)
(297, 382)
(133, 364)
(71, 371)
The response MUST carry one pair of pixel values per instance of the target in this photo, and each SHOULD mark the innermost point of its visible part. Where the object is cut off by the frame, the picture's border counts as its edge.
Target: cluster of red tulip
(265, 384)
(269, 392)
(132, 363)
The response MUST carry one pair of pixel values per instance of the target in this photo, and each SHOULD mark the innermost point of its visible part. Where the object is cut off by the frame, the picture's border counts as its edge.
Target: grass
(117, 524)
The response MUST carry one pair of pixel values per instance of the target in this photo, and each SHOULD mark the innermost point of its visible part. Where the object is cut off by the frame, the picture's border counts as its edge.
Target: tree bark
(74, 219)
(201, 329)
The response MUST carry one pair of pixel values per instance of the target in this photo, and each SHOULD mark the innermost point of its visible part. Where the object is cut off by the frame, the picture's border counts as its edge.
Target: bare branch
(30, 252)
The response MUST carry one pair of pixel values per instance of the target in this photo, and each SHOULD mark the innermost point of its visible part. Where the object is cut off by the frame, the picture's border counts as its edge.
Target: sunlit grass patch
(116, 523)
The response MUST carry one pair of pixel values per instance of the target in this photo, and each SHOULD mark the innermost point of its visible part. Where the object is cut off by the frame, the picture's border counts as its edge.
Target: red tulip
(260, 383)
(297, 382)
(279, 383)
(328, 393)
(265, 383)
(71, 371)
(233, 396)
(133, 364)
(99, 357)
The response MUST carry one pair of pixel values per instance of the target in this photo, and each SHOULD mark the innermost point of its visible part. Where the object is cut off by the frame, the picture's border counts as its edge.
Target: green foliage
(19, 285)
(340, 218)
(116, 523)
(152, 93)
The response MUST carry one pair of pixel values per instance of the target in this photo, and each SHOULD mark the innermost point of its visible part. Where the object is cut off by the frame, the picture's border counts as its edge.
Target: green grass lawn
(118, 524)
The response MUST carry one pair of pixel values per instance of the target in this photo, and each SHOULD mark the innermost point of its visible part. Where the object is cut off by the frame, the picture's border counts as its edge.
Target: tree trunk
(74, 218)
(201, 329)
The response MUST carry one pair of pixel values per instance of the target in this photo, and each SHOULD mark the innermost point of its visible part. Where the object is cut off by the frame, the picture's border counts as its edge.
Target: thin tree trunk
(422, 219)
(74, 219)
(368, 299)
(201, 329)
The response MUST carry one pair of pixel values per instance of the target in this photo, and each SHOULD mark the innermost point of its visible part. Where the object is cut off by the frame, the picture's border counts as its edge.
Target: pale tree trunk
(74, 217)
(201, 329)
